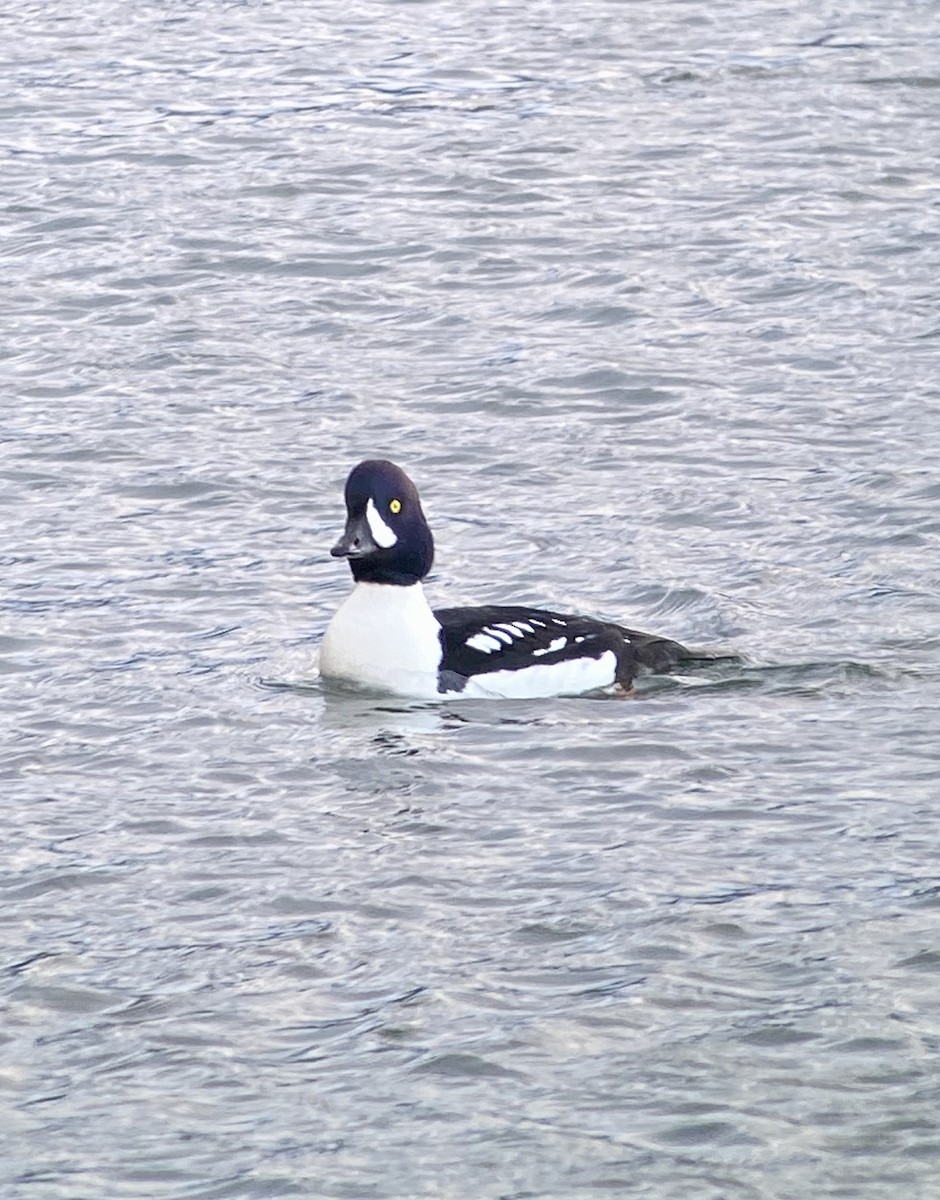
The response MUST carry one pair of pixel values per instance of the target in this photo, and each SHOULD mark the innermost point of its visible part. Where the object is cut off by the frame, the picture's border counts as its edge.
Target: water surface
(644, 298)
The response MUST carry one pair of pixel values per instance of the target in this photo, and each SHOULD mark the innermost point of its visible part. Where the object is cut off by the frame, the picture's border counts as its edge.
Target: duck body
(386, 637)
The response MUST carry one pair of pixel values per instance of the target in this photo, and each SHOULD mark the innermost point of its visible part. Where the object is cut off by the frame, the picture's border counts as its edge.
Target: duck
(385, 636)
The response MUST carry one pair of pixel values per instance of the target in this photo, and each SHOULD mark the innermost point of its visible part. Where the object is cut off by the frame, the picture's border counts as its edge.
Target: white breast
(384, 637)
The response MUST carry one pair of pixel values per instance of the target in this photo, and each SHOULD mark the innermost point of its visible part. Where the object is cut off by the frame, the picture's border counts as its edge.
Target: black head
(386, 539)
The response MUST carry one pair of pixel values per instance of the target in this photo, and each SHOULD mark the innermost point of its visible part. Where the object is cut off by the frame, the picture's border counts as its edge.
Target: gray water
(645, 297)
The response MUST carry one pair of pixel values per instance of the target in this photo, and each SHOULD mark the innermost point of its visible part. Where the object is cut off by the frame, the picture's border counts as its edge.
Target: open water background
(645, 297)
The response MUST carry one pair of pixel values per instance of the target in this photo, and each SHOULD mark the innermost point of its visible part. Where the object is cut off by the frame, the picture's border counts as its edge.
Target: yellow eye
(395, 506)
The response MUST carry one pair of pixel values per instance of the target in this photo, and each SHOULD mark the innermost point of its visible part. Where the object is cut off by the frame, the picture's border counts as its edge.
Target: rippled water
(645, 298)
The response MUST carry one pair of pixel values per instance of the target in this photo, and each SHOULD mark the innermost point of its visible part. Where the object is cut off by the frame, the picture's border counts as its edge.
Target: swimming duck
(385, 635)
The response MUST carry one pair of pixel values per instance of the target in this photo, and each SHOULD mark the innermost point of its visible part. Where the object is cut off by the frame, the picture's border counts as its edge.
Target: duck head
(386, 539)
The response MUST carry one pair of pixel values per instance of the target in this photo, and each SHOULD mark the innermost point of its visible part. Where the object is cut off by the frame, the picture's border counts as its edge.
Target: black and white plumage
(385, 635)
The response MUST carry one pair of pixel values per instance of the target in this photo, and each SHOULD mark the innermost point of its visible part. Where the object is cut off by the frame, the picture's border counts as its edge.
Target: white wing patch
(493, 638)
(383, 534)
(555, 644)
(485, 643)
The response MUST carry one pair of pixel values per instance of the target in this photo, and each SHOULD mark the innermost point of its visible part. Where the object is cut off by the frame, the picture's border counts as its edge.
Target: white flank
(384, 637)
(570, 678)
(497, 632)
(480, 641)
(383, 534)
(513, 630)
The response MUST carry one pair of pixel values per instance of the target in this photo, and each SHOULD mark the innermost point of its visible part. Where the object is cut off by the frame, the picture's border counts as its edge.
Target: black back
(529, 635)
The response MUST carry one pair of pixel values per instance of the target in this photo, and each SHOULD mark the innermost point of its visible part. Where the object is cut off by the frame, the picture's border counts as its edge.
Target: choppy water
(645, 298)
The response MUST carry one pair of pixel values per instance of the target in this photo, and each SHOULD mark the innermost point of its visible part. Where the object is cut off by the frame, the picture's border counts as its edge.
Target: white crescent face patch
(382, 534)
